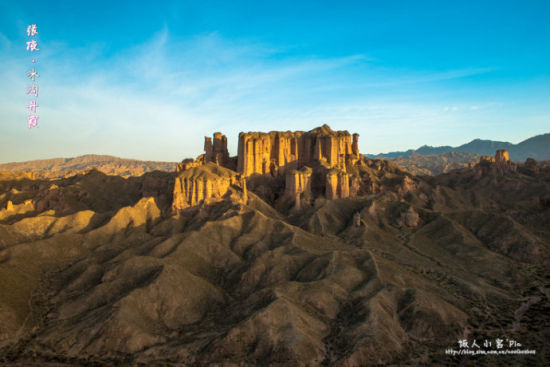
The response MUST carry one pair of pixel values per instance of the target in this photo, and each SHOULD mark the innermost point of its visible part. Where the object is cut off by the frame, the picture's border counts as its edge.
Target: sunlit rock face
(205, 183)
(277, 151)
(216, 150)
(295, 166)
(299, 160)
(337, 184)
(298, 182)
(498, 164)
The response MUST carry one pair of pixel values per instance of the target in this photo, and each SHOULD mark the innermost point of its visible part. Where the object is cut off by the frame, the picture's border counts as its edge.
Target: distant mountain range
(62, 167)
(537, 147)
(435, 164)
(425, 160)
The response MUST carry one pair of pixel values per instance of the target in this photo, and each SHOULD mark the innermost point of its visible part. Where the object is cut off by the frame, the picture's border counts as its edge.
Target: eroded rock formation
(216, 150)
(337, 184)
(531, 167)
(499, 164)
(300, 165)
(206, 183)
(275, 152)
(187, 164)
(298, 184)
(298, 181)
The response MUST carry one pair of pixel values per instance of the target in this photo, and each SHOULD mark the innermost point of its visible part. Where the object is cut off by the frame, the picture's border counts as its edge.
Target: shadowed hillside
(100, 270)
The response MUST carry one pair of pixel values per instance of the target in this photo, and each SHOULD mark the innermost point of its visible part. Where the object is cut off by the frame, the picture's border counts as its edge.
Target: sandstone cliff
(298, 181)
(275, 152)
(298, 184)
(188, 164)
(205, 183)
(337, 184)
(216, 150)
(297, 165)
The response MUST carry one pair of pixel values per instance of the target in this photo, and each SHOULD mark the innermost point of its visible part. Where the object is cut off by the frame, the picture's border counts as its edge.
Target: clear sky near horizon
(148, 80)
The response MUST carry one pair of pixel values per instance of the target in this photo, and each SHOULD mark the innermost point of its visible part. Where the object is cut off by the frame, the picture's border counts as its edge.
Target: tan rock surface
(209, 182)
(268, 153)
(337, 184)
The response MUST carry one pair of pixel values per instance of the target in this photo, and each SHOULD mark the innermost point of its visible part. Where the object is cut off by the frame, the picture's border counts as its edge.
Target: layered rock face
(298, 181)
(298, 184)
(206, 183)
(216, 150)
(187, 164)
(297, 165)
(277, 152)
(337, 184)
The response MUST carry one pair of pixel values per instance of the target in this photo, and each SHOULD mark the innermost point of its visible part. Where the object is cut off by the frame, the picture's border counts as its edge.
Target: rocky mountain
(428, 160)
(298, 251)
(65, 167)
(537, 147)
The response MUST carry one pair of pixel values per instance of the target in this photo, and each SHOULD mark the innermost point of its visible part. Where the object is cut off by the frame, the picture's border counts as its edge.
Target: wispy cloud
(158, 99)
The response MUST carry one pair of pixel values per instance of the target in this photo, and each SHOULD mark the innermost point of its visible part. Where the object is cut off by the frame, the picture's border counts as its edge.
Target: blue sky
(149, 80)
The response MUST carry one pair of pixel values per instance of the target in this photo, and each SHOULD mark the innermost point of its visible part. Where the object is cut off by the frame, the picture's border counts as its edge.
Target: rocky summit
(300, 166)
(299, 251)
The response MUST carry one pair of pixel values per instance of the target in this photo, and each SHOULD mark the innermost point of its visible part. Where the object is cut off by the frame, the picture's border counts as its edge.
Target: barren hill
(100, 270)
(435, 164)
(64, 167)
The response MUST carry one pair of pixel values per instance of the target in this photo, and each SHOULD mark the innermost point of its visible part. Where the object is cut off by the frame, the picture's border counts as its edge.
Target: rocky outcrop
(275, 152)
(16, 209)
(53, 198)
(187, 164)
(355, 145)
(499, 164)
(300, 165)
(215, 150)
(337, 184)
(502, 160)
(298, 184)
(206, 183)
(531, 167)
(502, 156)
(486, 160)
